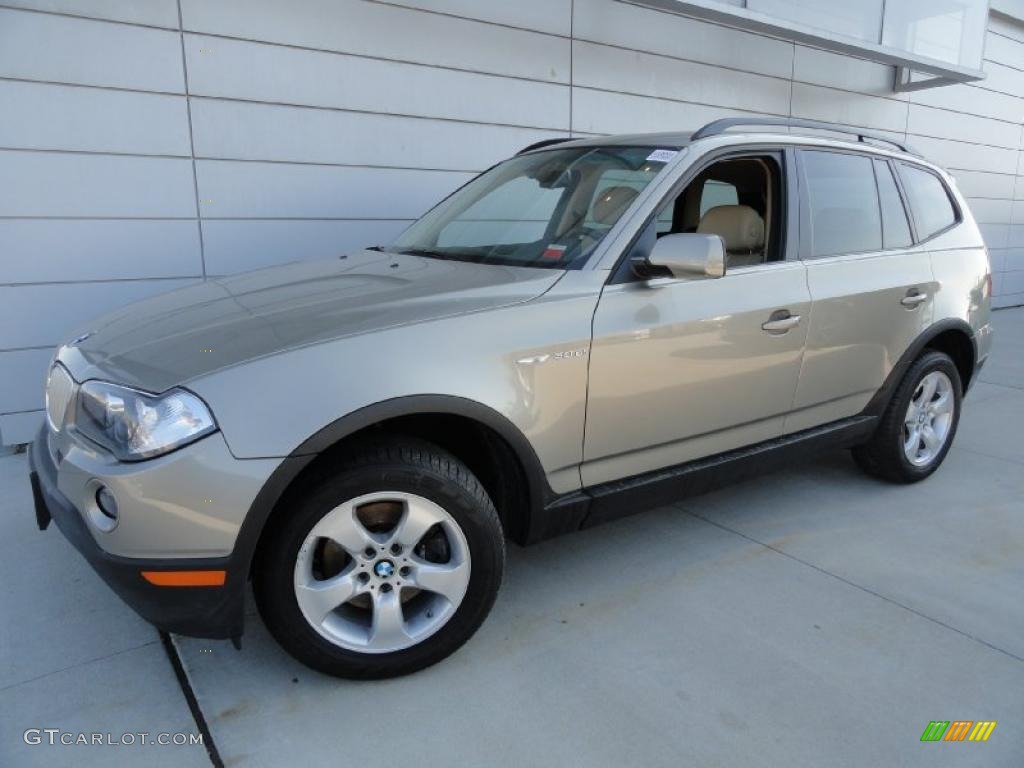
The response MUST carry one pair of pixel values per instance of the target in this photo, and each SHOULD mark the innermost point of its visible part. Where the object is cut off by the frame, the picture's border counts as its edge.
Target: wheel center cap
(384, 569)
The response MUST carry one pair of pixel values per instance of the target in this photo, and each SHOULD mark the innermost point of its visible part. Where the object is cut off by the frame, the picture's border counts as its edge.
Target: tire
(887, 455)
(392, 623)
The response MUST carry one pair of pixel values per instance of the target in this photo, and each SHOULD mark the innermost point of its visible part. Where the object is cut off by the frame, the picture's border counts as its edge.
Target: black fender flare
(539, 492)
(878, 403)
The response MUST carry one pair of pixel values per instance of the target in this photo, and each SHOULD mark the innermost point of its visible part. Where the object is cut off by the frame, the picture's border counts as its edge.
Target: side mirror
(687, 255)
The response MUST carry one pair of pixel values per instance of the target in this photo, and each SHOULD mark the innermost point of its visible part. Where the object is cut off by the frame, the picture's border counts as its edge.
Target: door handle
(780, 322)
(913, 298)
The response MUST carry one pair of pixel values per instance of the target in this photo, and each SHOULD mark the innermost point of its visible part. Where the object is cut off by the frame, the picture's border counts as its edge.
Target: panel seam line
(191, 143)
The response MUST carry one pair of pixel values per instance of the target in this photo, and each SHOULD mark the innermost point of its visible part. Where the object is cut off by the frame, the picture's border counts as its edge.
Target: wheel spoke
(446, 579)
(913, 442)
(319, 598)
(418, 517)
(344, 527)
(928, 387)
(944, 403)
(913, 411)
(388, 628)
(931, 440)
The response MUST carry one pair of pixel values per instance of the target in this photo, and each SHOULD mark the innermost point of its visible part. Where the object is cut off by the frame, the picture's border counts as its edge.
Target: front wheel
(918, 426)
(384, 566)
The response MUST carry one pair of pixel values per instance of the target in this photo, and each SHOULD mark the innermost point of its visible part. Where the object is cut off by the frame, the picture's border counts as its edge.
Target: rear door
(872, 289)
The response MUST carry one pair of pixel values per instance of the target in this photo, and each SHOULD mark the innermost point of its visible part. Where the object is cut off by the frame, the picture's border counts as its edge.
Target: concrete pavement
(72, 655)
(811, 617)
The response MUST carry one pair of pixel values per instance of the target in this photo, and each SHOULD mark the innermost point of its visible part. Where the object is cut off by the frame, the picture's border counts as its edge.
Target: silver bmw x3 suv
(587, 329)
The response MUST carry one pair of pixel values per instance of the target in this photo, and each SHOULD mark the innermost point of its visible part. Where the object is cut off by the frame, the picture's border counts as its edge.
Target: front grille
(59, 389)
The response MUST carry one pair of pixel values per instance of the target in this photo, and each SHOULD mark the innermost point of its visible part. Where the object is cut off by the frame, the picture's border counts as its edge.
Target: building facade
(148, 145)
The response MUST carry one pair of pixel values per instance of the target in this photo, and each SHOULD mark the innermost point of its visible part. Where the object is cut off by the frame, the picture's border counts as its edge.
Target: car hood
(178, 336)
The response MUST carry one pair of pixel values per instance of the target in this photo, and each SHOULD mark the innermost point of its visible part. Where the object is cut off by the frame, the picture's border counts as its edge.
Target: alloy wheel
(929, 418)
(382, 572)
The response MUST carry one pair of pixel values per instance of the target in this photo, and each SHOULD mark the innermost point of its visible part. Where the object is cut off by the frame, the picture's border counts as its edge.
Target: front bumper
(213, 611)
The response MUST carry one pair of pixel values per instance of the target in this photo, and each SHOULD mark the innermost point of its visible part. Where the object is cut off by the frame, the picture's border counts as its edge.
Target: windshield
(544, 209)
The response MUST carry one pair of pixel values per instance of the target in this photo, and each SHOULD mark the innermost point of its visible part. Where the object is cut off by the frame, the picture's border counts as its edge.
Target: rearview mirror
(689, 254)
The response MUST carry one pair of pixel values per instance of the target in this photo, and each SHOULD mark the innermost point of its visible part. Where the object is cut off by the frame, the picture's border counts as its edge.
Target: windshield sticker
(661, 155)
(554, 252)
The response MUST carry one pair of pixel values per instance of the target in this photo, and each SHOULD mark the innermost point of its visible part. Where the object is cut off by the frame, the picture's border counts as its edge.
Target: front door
(685, 368)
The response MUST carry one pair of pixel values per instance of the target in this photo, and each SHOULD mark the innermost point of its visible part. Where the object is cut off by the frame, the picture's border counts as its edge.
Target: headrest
(739, 225)
(611, 203)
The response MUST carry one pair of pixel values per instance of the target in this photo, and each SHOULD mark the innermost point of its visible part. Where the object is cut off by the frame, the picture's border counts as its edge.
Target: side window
(929, 201)
(712, 194)
(742, 200)
(842, 199)
(895, 228)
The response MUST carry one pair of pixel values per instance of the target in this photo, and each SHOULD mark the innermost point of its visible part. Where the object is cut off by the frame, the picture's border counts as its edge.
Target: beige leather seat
(742, 229)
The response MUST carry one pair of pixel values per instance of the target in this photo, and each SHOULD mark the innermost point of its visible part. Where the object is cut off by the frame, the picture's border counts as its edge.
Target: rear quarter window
(929, 201)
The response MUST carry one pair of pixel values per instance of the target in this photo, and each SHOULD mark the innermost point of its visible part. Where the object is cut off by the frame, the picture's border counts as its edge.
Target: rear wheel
(384, 566)
(918, 426)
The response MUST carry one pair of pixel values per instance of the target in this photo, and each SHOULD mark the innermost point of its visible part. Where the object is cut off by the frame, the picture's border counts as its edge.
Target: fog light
(106, 502)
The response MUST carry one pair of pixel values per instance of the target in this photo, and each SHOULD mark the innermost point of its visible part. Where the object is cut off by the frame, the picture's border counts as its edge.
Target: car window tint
(843, 203)
(929, 202)
(895, 228)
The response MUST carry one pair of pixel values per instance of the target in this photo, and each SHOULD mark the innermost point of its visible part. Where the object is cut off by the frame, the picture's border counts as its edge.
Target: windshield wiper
(431, 254)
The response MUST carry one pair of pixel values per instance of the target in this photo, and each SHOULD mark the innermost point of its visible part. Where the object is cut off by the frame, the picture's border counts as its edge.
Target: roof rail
(543, 143)
(716, 127)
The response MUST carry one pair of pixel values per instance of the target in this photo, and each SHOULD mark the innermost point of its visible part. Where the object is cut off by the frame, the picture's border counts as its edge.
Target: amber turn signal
(185, 578)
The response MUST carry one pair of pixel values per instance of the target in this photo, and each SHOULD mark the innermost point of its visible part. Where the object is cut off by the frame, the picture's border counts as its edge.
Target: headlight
(134, 425)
